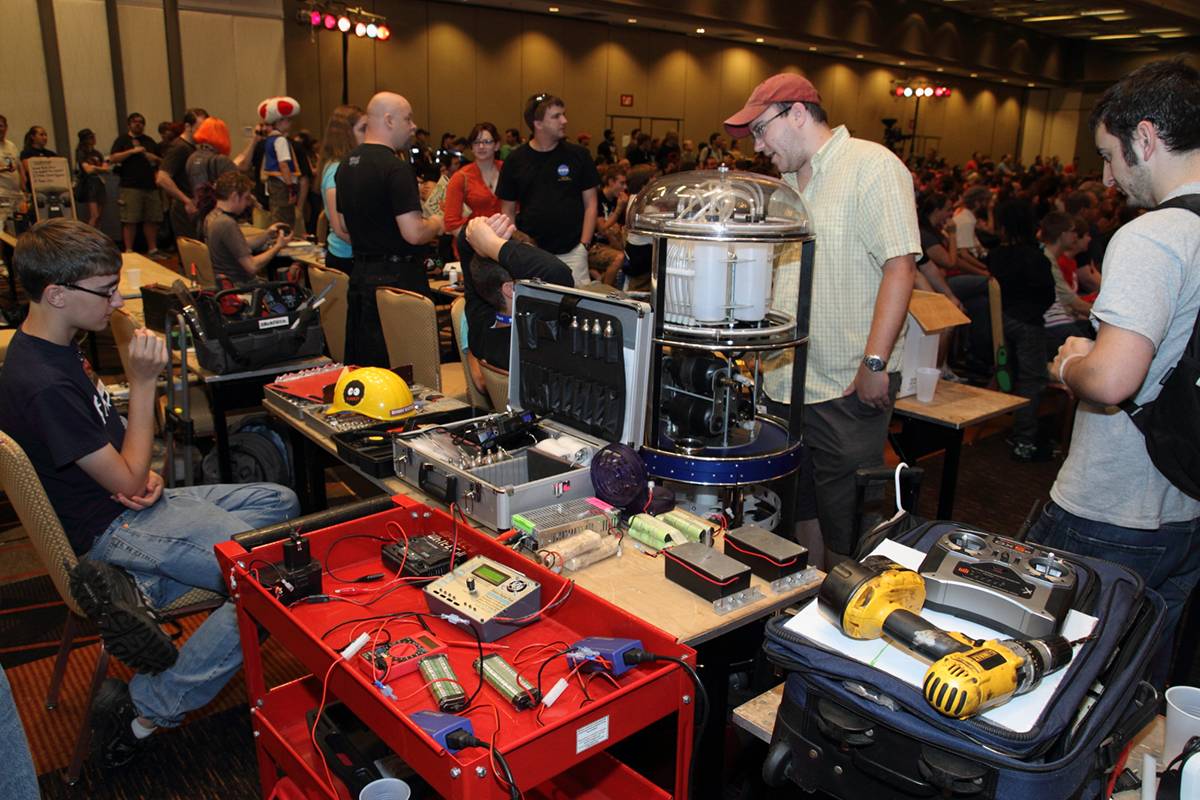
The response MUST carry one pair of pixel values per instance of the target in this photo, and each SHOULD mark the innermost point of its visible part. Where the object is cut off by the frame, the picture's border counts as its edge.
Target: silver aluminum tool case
(589, 386)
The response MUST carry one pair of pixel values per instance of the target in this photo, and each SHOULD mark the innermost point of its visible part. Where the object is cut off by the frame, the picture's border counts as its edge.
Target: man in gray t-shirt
(231, 253)
(1109, 500)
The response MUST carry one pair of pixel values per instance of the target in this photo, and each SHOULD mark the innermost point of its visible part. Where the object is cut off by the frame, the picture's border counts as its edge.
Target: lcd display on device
(492, 576)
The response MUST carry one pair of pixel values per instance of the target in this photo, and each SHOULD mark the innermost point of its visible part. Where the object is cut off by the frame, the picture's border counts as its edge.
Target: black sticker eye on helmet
(352, 395)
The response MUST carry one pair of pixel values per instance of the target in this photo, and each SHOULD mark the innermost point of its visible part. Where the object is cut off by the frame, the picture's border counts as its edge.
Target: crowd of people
(1085, 282)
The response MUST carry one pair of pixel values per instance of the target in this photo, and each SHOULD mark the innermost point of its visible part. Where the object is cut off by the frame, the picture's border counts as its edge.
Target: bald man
(378, 197)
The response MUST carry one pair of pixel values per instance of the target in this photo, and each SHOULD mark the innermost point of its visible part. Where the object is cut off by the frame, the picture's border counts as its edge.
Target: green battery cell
(443, 683)
(501, 676)
(688, 524)
(656, 528)
(647, 538)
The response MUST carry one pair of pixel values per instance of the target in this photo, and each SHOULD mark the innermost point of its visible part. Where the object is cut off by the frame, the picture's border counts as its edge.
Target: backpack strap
(1190, 202)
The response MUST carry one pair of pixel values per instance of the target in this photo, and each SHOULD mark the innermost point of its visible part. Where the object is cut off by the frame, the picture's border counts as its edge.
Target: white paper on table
(1019, 714)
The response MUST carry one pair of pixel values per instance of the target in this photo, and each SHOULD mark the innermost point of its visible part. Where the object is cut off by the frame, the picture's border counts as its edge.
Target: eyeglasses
(482, 141)
(108, 295)
(757, 130)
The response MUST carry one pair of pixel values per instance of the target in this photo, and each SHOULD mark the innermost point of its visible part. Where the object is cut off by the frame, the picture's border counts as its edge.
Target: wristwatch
(874, 363)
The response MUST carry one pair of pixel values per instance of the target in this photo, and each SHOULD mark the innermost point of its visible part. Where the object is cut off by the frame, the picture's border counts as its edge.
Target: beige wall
(459, 65)
(232, 59)
(25, 99)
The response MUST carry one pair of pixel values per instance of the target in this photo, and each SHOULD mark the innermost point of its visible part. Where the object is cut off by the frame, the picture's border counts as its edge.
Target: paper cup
(927, 381)
(385, 789)
(134, 276)
(1183, 720)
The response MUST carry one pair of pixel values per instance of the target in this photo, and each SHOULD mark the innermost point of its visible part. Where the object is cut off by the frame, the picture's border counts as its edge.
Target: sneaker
(1031, 453)
(129, 626)
(113, 742)
(156, 254)
(949, 376)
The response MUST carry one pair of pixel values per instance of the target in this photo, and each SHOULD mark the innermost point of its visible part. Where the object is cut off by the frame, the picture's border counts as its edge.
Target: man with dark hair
(380, 203)
(512, 140)
(547, 187)
(606, 255)
(1109, 499)
(233, 256)
(498, 256)
(12, 171)
(136, 155)
(173, 179)
(607, 149)
(862, 281)
(140, 546)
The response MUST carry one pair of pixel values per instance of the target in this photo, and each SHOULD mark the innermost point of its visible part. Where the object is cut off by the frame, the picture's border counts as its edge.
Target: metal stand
(177, 419)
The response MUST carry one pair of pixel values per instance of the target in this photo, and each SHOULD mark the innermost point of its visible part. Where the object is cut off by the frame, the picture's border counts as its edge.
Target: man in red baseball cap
(864, 215)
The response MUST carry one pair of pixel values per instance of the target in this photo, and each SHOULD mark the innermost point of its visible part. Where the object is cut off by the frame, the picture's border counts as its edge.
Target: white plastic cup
(454, 276)
(134, 276)
(385, 789)
(927, 381)
(1183, 720)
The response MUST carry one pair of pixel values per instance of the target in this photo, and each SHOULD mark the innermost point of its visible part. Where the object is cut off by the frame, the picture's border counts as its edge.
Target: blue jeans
(1168, 559)
(18, 781)
(168, 548)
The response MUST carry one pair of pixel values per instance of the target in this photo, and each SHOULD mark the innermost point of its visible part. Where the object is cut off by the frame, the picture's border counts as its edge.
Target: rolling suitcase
(850, 730)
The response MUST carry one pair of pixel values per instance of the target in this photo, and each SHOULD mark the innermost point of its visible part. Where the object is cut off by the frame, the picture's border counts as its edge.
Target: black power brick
(769, 556)
(422, 556)
(703, 571)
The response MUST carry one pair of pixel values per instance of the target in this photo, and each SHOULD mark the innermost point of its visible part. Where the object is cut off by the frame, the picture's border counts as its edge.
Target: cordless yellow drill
(875, 597)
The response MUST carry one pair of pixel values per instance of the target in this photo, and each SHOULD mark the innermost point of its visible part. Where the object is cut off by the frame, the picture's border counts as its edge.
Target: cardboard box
(929, 313)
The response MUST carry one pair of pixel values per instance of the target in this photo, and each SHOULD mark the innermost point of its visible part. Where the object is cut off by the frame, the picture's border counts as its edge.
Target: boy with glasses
(140, 546)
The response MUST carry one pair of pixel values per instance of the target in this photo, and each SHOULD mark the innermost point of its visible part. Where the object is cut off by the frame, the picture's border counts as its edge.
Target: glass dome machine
(721, 242)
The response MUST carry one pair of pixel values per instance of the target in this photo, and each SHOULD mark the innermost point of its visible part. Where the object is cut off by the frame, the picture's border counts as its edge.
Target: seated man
(234, 256)
(95, 468)
(496, 262)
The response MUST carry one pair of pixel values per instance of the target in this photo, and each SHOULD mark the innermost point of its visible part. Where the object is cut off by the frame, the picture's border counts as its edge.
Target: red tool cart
(556, 752)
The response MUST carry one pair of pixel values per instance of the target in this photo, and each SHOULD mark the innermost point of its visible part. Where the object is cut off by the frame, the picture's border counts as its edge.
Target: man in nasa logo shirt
(548, 187)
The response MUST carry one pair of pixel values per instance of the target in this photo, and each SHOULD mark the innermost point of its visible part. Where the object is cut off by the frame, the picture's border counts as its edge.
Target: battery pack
(703, 571)
(769, 556)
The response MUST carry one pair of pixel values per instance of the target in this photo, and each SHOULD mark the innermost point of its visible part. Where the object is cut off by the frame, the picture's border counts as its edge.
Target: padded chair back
(333, 309)
(322, 228)
(497, 384)
(24, 489)
(410, 330)
(475, 397)
(195, 252)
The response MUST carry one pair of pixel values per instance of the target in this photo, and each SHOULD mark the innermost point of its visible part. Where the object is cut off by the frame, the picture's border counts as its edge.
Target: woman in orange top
(475, 184)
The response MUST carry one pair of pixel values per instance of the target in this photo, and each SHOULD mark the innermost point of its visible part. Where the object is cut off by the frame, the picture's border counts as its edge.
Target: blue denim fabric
(168, 548)
(1168, 559)
(18, 781)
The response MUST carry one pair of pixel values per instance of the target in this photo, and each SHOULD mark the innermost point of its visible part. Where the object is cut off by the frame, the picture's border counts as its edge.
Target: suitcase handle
(446, 493)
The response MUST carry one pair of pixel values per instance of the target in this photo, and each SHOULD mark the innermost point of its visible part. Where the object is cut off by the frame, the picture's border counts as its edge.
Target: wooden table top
(957, 405)
(151, 272)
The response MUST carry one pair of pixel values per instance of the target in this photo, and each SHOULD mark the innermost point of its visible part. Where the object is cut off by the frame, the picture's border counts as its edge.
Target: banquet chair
(410, 331)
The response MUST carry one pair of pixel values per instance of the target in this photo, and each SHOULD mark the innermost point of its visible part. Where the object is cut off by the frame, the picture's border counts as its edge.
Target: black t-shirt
(1026, 282)
(53, 406)
(608, 151)
(548, 188)
(928, 240)
(136, 171)
(37, 152)
(175, 161)
(374, 187)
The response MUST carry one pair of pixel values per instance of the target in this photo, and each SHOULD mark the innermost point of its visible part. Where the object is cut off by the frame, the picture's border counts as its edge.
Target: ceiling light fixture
(553, 9)
(760, 40)
(1161, 30)
(902, 63)
(974, 74)
(631, 21)
(1055, 18)
(939, 69)
(812, 49)
(1108, 37)
(1101, 12)
(699, 30)
(860, 55)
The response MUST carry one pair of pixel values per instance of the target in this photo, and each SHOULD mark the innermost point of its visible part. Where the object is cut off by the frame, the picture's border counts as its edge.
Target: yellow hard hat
(373, 392)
